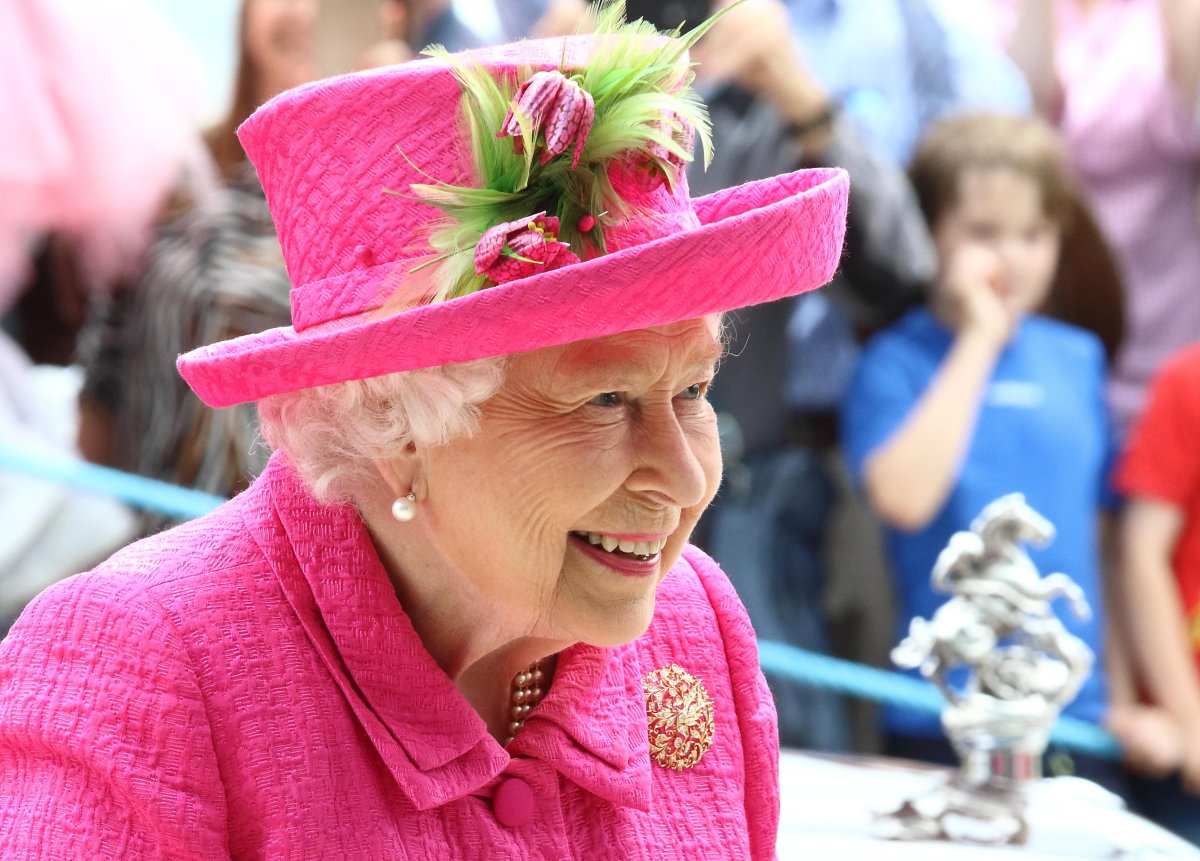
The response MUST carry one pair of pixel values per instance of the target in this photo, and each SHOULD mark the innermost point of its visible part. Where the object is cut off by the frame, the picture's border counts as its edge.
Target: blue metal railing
(777, 659)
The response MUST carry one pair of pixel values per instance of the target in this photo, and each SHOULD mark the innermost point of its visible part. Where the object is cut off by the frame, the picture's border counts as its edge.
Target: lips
(625, 563)
(641, 547)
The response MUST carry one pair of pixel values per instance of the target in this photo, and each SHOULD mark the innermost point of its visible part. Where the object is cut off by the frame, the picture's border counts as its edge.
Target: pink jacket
(248, 687)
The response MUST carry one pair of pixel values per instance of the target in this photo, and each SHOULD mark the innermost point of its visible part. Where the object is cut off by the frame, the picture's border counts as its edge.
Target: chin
(618, 626)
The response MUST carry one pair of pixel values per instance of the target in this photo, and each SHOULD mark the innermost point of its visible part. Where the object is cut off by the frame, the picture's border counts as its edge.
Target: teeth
(637, 548)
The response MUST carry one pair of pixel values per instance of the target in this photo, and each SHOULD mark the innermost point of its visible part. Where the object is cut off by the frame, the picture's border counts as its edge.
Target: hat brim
(756, 242)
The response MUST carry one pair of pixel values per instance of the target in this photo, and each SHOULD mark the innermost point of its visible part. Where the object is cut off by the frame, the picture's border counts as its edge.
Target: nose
(1011, 251)
(670, 461)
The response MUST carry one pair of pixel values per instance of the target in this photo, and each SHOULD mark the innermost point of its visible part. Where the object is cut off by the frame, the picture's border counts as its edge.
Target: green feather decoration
(641, 88)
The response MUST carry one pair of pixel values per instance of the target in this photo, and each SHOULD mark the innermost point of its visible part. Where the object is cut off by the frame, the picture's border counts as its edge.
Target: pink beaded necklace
(527, 692)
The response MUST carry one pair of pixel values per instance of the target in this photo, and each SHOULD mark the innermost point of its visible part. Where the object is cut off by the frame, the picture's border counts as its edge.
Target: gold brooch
(679, 713)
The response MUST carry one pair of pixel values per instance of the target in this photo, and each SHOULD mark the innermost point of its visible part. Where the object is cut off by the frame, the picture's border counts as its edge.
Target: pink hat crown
(365, 163)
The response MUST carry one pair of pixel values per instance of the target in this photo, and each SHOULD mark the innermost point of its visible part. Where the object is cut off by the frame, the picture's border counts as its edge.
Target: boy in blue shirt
(975, 395)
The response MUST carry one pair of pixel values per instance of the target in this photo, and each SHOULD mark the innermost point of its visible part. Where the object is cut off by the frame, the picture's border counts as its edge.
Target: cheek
(544, 477)
(566, 452)
(712, 461)
(1042, 262)
(949, 235)
(705, 443)
(1050, 256)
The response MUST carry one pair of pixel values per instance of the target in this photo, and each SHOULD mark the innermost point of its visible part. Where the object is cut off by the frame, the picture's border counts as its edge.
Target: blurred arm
(909, 477)
(1158, 645)
(1159, 641)
(1181, 30)
(1117, 658)
(1032, 49)
(889, 254)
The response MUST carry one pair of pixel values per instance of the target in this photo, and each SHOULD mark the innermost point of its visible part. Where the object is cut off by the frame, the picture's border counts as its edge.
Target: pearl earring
(404, 509)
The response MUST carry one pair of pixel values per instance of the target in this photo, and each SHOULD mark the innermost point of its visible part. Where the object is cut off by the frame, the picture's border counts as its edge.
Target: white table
(828, 804)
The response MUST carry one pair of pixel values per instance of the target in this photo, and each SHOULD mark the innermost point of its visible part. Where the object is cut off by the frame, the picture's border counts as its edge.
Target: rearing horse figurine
(999, 622)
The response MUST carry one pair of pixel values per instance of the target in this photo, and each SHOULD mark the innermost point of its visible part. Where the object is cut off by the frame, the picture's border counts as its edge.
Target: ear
(401, 472)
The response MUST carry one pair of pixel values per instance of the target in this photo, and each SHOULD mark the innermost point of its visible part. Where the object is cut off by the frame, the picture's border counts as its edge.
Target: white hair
(332, 434)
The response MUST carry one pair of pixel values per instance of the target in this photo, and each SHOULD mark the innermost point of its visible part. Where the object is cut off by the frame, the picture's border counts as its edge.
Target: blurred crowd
(1018, 309)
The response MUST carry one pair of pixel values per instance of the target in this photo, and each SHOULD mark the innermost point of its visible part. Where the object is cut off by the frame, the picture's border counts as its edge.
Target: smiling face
(590, 467)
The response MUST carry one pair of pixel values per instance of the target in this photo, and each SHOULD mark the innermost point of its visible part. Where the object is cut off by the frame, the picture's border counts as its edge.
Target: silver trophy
(1022, 667)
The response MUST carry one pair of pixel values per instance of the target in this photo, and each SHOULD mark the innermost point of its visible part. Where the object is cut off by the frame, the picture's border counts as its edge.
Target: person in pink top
(457, 615)
(1120, 80)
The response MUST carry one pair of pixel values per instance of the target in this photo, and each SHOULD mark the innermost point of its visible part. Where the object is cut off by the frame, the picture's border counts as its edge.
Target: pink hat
(538, 198)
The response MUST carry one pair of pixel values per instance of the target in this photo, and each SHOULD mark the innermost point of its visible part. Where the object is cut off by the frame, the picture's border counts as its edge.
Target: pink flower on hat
(681, 132)
(647, 174)
(520, 248)
(556, 105)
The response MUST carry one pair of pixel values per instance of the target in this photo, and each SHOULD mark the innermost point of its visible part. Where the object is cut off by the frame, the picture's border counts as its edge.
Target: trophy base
(991, 813)
(1000, 745)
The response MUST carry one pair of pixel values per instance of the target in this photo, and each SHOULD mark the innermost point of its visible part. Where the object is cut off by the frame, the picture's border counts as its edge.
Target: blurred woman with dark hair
(215, 271)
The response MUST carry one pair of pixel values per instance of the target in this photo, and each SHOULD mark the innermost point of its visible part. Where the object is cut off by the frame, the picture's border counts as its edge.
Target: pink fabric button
(513, 802)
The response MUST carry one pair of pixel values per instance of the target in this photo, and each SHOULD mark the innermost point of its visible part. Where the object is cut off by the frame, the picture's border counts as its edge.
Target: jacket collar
(591, 727)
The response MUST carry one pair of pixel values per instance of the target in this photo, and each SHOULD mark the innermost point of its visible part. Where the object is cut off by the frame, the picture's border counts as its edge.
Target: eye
(606, 399)
(694, 392)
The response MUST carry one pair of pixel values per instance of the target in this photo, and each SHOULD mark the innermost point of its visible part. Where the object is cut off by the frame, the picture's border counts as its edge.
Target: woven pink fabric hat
(327, 151)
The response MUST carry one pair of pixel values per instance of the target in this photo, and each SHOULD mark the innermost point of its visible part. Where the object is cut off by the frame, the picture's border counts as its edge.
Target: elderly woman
(457, 616)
